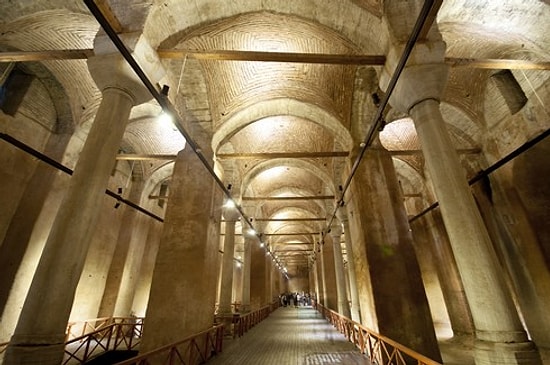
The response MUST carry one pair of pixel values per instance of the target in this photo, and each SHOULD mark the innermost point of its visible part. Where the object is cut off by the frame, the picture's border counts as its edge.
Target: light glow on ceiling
(273, 172)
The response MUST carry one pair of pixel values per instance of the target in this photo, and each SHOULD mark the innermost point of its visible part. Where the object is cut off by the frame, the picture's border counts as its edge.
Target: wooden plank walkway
(290, 336)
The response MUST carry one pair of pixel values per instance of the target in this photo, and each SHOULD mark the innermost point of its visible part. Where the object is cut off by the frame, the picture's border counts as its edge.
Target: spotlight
(165, 118)
(230, 204)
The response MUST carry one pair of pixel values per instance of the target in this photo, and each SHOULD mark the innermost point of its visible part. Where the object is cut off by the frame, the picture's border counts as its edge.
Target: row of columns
(188, 252)
(499, 334)
(387, 284)
(39, 336)
(382, 261)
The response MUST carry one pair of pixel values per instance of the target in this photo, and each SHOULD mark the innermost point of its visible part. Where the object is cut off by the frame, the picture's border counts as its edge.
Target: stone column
(54, 284)
(145, 276)
(500, 336)
(322, 284)
(26, 218)
(274, 283)
(315, 288)
(355, 312)
(25, 236)
(319, 275)
(225, 311)
(123, 272)
(237, 291)
(231, 216)
(311, 276)
(245, 301)
(430, 278)
(499, 333)
(449, 277)
(343, 304)
(269, 263)
(389, 282)
(183, 289)
(257, 276)
(132, 265)
(329, 274)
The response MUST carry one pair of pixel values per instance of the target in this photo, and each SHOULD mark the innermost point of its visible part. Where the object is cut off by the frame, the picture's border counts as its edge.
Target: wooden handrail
(377, 347)
(125, 334)
(90, 325)
(243, 322)
(175, 356)
(3, 346)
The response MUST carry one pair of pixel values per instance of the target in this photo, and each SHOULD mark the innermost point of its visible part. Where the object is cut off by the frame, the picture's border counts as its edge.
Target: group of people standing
(295, 299)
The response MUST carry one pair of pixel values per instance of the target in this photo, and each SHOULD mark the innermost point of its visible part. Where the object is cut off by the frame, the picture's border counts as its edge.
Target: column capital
(336, 230)
(423, 78)
(342, 215)
(231, 214)
(110, 70)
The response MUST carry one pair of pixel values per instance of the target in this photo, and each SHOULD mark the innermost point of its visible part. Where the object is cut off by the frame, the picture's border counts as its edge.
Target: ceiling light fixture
(230, 203)
(165, 118)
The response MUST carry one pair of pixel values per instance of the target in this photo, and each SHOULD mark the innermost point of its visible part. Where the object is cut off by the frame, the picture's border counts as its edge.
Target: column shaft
(451, 283)
(226, 288)
(355, 312)
(23, 243)
(26, 216)
(257, 277)
(183, 289)
(315, 288)
(143, 287)
(268, 271)
(343, 304)
(122, 276)
(329, 274)
(493, 311)
(52, 291)
(392, 294)
(245, 304)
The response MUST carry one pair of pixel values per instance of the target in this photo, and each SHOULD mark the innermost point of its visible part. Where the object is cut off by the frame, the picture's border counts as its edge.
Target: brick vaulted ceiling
(269, 122)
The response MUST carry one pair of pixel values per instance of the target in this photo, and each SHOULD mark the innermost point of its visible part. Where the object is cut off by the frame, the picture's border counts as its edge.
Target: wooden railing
(123, 334)
(379, 349)
(243, 322)
(96, 336)
(235, 307)
(80, 328)
(192, 350)
(3, 347)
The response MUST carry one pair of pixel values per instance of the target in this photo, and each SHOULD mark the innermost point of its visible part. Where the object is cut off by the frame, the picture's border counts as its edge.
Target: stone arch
(461, 124)
(162, 174)
(354, 26)
(269, 108)
(64, 122)
(305, 165)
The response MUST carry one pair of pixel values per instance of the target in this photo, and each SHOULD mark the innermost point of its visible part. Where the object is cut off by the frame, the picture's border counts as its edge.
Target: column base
(488, 353)
(43, 354)
(227, 320)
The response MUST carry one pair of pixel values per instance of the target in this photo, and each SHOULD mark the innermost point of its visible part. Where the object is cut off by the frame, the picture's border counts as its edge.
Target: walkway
(290, 336)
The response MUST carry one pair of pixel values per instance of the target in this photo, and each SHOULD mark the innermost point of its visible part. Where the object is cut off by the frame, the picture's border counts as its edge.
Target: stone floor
(291, 336)
(300, 336)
